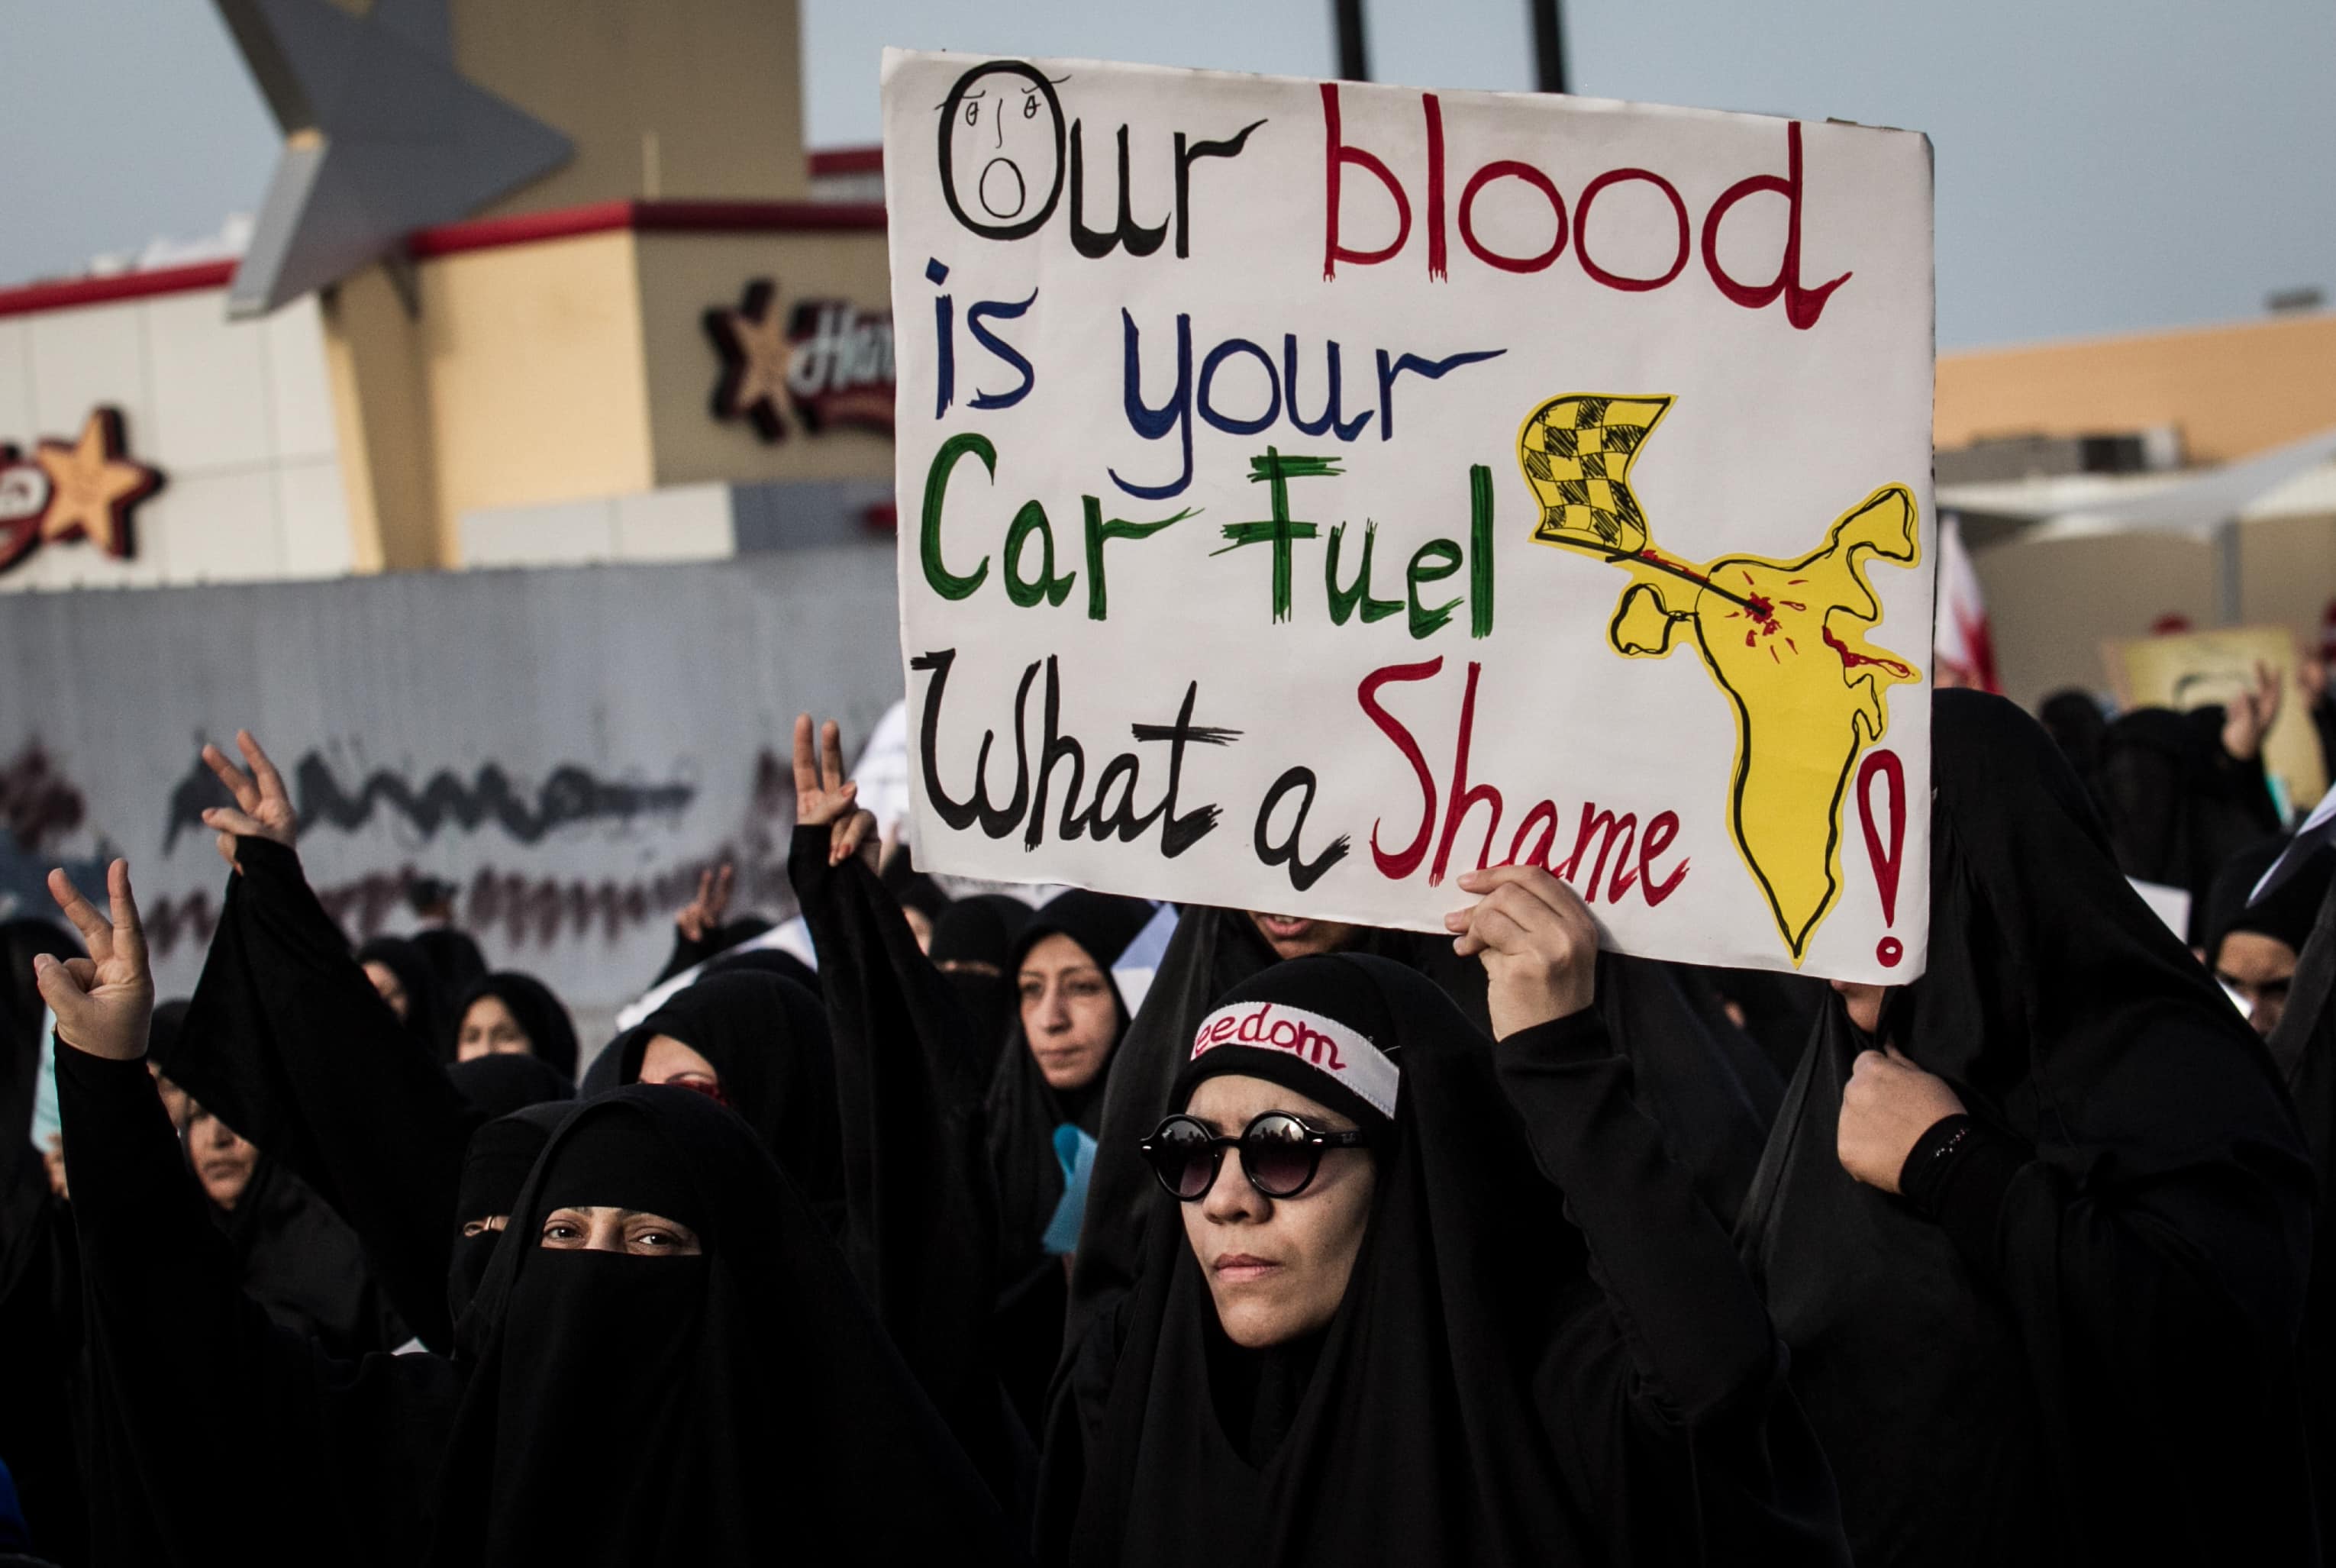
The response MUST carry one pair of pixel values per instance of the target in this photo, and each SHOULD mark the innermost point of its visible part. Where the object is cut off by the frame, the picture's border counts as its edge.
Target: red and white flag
(1965, 650)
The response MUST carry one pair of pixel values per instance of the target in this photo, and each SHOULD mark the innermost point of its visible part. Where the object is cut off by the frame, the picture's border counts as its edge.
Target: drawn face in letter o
(1001, 149)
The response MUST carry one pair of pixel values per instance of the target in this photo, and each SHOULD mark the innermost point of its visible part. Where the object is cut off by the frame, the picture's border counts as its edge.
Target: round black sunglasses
(1279, 1154)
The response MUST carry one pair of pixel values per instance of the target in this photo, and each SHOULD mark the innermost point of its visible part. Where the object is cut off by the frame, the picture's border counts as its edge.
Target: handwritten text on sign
(1313, 491)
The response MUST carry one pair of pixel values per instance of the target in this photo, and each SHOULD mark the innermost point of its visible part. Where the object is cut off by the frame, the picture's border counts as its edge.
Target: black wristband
(1923, 1176)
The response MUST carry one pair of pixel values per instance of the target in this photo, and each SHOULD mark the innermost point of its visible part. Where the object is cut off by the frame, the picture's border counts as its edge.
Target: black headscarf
(2176, 804)
(730, 1407)
(503, 1082)
(1706, 1083)
(289, 1042)
(912, 888)
(765, 961)
(981, 930)
(1478, 1398)
(2073, 720)
(303, 1263)
(44, 1410)
(550, 1032)
(2285, 914)
(1025, 1111)
(1023, 1108)
(2083, 1358)
(426, 1024)
(767, 1039)
(502, 1153)
(454, 955)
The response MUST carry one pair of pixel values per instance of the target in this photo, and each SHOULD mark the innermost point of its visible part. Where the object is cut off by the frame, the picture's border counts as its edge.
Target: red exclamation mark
(1885, 862)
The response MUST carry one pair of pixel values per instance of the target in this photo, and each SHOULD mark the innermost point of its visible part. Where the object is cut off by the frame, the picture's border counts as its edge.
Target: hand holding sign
(1538, 942)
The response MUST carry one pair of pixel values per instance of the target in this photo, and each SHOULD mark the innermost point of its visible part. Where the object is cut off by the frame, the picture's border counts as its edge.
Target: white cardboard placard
(1309, 492)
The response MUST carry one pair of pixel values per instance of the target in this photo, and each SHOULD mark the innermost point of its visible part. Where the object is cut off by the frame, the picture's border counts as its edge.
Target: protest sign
(2184, 670)
(1311, 492)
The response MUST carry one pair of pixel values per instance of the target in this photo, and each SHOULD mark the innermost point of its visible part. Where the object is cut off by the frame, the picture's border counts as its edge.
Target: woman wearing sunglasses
(1433, 1299)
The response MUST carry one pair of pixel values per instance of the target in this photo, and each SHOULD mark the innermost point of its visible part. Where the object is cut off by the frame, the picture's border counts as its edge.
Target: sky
(2103, 165)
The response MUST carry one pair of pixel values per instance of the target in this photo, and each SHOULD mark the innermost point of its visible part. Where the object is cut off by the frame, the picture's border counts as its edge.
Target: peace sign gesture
(262, 808)
(103, 1002)
(823, 796)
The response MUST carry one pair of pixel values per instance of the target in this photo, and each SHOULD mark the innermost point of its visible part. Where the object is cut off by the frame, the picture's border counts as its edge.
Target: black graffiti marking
(569, 794)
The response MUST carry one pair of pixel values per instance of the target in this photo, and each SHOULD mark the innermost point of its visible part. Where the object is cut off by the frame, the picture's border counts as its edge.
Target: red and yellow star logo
(753, 342)
(93, 487)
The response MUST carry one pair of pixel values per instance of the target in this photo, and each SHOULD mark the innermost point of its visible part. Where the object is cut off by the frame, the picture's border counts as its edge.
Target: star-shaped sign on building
(92, 486)
(381, 136)
(753, 342)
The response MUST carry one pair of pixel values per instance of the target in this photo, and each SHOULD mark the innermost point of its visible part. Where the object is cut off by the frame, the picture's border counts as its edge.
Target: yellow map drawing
(1785, 639)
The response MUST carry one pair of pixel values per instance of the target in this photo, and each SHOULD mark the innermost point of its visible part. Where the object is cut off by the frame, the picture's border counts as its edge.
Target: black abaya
(301, 1263)
(288, 1041)
(767, 1040)
(502, 1082)
(922, 1236)
(43, 1420)
(2176, 804)
(2075, 1344)
(540, 1015)
(500, 1155)
(1708, 1088)
(2305, 1047)
(1547, 1351)
(425, 1021)
(1025, 1112)
(740, 1407)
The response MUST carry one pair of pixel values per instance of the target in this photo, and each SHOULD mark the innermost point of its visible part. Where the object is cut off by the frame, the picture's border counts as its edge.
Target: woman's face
(665, 1060)
(1069, 1015)
(490, 1030)
(393, 989)
(610, 1229)
(223, 1162)
(1277, 1267)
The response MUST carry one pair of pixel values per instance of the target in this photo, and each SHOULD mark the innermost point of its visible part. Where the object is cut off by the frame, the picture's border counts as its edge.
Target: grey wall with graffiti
(567, 747)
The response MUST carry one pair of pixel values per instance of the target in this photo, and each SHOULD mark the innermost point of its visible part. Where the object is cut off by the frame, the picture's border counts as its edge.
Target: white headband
(1324, 1043)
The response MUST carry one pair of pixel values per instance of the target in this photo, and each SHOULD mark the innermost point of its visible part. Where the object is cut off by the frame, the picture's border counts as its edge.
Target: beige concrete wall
(671, 98)
(381, 415)
(2232, 391)
(682, 274)
(2287, 572)
(531, 357)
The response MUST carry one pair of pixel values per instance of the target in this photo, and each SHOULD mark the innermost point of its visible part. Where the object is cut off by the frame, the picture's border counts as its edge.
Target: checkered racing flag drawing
(1577, 452)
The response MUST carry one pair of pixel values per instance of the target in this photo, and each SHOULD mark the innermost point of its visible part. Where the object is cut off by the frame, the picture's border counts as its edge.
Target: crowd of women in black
(1339, 1246)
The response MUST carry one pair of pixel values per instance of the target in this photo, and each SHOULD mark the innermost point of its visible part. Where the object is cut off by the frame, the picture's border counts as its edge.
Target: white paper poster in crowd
(1311, 492)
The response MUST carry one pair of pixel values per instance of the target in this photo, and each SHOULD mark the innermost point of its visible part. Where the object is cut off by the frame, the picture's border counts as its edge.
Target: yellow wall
(2232, 391)
(381, 408)
(684, 275)
(532, 356)
(664, 99)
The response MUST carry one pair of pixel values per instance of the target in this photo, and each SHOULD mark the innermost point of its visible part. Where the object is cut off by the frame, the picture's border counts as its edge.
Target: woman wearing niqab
(2070, 1340)
(742, 1406)
(2303, 1046)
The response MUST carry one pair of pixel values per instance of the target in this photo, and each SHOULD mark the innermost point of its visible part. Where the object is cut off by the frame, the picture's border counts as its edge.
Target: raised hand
(1538, 943)
(262, 809)
(823, 796)
(704, 913)
(2251, 713)
(103, 1002)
